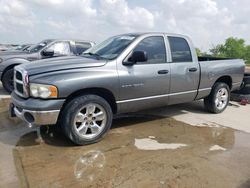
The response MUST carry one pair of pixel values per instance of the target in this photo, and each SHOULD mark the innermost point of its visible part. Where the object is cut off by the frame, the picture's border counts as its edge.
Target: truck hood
(13, 52)
(61, 63)
(11, 55)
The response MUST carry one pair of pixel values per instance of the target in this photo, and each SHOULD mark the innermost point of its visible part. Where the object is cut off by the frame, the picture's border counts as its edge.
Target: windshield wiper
(95, 55)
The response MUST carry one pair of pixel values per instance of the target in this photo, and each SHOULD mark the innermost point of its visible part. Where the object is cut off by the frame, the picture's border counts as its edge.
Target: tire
(7, 80)
(77, 119)
(218, 99)
(246, 79)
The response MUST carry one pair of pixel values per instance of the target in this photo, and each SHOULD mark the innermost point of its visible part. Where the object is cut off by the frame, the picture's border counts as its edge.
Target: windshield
(20, 47)
(26, 48)
(39, 46)
(111, 48)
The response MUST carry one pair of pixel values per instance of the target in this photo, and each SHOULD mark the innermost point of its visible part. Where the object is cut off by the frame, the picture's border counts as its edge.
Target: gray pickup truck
(125, 73)
(45, 49)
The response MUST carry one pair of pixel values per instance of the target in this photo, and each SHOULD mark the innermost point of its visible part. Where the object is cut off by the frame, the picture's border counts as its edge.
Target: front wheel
(218, 99)
(86, 119)
(7, 80)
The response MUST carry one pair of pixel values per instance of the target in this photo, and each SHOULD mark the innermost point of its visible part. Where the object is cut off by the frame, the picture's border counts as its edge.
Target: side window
(155, 49)
(180, 49)
(82, 46)
(60, 48)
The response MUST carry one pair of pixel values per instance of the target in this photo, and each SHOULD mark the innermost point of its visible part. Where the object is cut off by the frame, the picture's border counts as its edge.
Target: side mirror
(48, 53)
(136, 56)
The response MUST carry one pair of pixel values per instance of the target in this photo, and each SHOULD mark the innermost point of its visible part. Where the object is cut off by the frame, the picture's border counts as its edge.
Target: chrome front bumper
(35, 111)
(36, 118)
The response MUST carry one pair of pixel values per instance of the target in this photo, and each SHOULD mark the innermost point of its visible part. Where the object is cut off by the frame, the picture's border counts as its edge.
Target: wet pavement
(10, 132)
(146, 149)
(4, 99)
(139, 151)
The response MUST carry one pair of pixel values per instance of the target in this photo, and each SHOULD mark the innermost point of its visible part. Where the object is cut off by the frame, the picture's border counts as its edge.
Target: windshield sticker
(127, 38)
(42, 44)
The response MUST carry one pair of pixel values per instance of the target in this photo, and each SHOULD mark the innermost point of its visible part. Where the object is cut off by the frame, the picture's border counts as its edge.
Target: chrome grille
(21, 82)
(19, 76)
(19, 88)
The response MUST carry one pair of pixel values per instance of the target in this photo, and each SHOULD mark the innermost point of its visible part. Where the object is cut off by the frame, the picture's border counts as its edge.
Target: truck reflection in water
(89, 166)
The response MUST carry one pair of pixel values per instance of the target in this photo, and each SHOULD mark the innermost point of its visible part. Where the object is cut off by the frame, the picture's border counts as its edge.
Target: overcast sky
(207, 22)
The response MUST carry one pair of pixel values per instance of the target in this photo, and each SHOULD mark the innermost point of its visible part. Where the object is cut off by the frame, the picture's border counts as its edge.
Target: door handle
(163, 71)
(192, 69)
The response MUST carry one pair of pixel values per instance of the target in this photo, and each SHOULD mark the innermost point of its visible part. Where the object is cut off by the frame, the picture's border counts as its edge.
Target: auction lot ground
(177, 146)
(247, 68)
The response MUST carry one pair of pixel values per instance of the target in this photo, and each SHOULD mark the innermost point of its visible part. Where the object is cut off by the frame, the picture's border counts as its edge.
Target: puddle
(216, 148)
(150, 144)
(151, 136)
(7, 123)
(179, 156)
(10, 132)
(89, 166)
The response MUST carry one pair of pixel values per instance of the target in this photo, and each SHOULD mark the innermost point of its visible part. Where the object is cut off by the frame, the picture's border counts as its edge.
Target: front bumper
(37, 117)
(36, 111)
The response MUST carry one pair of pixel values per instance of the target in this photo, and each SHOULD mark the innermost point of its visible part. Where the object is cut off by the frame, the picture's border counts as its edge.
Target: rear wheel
(218, 99)
(86, 119)
(7, 80)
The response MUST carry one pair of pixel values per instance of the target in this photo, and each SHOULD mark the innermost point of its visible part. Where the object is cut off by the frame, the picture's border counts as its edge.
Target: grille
(19, 88)
(19, 83)
(19, 76)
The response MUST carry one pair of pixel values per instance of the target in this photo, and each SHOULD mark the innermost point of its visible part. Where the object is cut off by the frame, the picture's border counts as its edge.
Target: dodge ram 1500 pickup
(125, 73)
(46, 49)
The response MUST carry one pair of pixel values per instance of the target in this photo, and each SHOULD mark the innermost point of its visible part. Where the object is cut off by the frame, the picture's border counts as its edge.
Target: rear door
(185, 71)
(146, 84)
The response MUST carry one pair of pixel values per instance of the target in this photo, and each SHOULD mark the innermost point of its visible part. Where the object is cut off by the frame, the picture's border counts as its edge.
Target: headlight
(43, 91)
(1, 60)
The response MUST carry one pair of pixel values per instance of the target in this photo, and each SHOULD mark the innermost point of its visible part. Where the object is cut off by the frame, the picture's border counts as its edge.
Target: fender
(10, 63)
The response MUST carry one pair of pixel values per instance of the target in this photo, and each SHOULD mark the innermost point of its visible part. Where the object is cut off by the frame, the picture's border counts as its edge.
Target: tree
(232, 48)
(218, 51)
(247, 55)
(198, 52)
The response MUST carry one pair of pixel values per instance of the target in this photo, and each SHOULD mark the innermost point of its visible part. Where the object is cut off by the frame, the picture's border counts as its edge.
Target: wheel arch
(225, 79)
(8, 68)
(101, 92)
(11, 63)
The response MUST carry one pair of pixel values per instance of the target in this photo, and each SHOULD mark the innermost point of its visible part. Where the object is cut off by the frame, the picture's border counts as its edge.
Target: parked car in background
(45, 49)
(23, 47)
(3, 48)
(125, 73)
(19, 49)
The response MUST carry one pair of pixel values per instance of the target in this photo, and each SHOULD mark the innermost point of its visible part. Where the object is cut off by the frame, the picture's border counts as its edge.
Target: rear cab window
(180, 49)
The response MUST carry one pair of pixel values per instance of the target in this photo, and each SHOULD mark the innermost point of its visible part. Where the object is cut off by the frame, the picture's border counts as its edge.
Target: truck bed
(210, 58)
(211, 69)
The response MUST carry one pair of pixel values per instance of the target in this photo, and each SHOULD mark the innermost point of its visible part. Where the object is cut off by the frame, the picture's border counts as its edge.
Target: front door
(146, 84)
